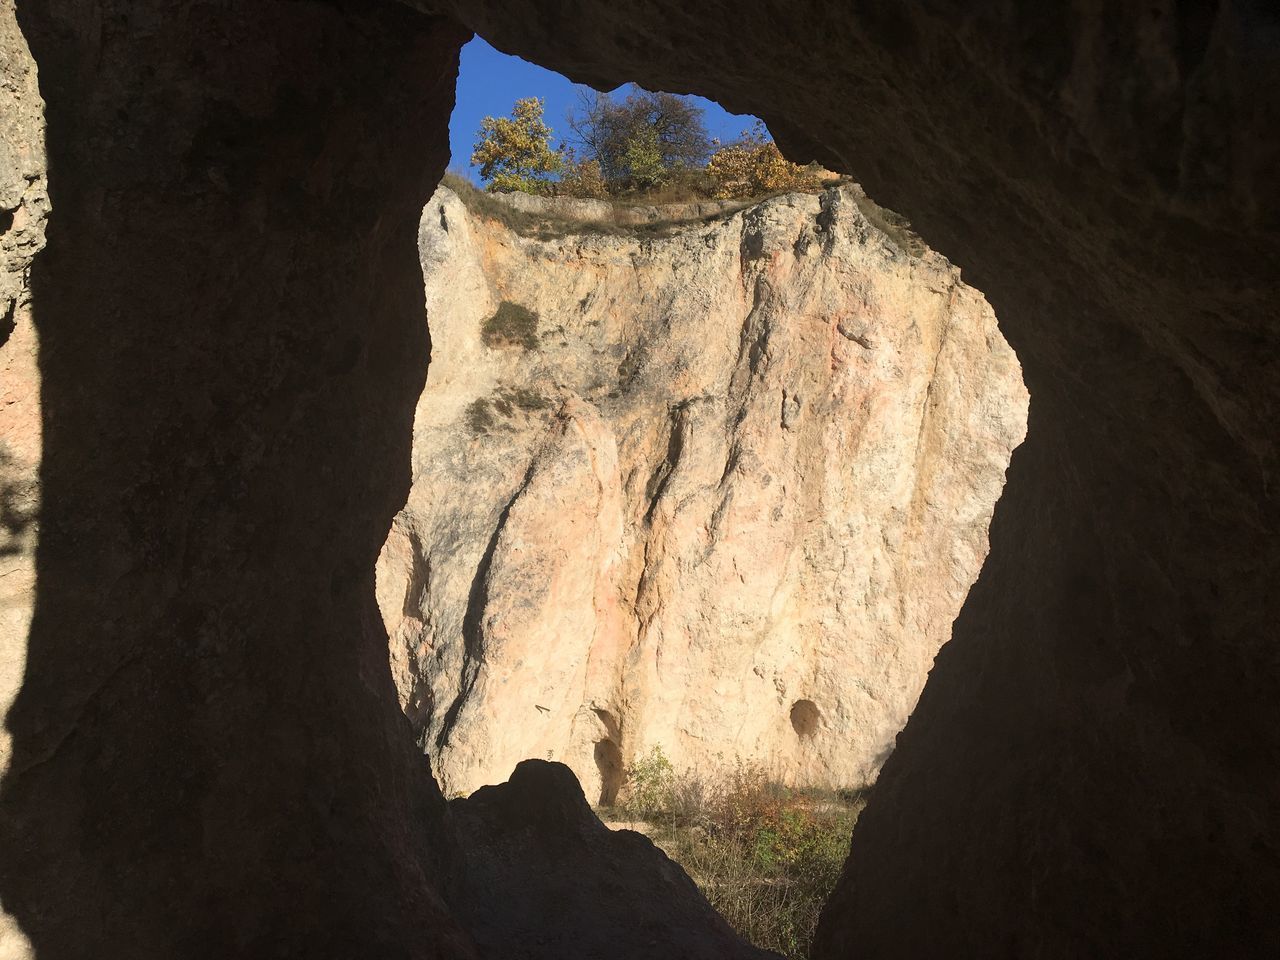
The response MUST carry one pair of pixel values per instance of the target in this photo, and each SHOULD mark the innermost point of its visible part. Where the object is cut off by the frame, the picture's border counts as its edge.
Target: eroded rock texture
(207, 754)
(24, 206)
(718, 486)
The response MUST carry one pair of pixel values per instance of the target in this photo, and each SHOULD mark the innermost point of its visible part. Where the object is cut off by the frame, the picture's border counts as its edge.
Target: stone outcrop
(717, 486)
(208, 757)
(570, 886)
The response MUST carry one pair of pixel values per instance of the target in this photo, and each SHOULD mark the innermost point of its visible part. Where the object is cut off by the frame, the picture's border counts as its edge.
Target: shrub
(684, 185)
(769, 861)
(765, 856)
(648, 786)
(511, 325)
(582, 179)
(754, 166)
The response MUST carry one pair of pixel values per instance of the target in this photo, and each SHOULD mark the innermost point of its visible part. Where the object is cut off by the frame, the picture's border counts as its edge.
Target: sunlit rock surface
(717, 486)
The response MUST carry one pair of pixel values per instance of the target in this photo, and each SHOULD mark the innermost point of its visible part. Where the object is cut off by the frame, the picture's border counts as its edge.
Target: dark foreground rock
(569, 887)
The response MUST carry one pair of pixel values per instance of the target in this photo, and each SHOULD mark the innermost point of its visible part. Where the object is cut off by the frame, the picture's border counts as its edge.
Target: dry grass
(545, 227)
(893, 225)
(542, 227)
(765, 856)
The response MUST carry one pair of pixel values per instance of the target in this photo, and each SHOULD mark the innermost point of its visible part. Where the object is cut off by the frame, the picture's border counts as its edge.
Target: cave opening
(210, 361)
(622, 359)
(608, 758)
(805, 717)
(609, 360)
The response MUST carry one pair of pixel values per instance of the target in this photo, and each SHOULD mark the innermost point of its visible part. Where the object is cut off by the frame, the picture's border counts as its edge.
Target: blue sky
(489, 83)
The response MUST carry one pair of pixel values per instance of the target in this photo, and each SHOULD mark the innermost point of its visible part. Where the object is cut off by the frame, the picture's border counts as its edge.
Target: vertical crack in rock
(661, 476)
(473, 618)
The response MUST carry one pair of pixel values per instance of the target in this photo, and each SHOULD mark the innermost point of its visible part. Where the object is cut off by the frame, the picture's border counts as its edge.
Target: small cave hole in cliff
(608, 757)
(805, 718)
(702, 428)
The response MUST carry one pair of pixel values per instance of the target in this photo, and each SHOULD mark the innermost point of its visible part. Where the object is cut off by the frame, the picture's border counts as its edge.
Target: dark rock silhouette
(571, 887)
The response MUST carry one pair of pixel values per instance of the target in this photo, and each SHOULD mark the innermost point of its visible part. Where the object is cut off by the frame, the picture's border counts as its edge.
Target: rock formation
(715, 485)
(190, 182)
(24, 207)
(570, 886)
(208, 756)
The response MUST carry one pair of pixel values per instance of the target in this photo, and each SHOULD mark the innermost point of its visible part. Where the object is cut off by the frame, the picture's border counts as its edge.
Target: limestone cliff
(716, 484)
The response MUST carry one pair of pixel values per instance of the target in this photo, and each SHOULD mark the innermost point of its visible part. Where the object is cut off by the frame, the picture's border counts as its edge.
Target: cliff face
(717, 485)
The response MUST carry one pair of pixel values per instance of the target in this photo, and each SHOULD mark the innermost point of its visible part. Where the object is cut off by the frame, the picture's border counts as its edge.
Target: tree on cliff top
(514, 153)
(753, 166)
(640, 139)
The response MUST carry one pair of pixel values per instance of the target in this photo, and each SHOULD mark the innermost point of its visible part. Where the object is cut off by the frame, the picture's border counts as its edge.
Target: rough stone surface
(207, 754)
(571, 887)
(24, 206)
(723, 494)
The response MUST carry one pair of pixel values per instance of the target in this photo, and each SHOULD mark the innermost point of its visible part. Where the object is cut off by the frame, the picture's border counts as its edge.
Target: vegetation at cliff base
(648, 146)
(765, 856)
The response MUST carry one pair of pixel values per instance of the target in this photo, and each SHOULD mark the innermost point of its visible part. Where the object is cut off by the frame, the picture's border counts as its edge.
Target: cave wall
(1092, 768)
(207, 756)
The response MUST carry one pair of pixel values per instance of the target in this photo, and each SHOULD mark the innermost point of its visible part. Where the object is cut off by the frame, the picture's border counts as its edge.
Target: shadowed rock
(569, 886)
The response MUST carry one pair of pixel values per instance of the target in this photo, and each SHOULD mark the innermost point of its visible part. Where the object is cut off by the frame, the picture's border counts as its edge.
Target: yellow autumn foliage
(514, 153)
(754, 166)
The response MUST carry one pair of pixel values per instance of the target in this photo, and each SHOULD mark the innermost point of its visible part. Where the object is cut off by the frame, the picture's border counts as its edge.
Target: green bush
(765, 856)
(648, 786)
